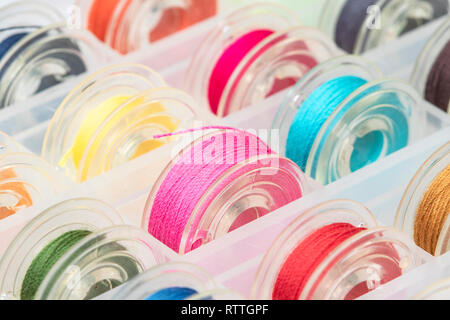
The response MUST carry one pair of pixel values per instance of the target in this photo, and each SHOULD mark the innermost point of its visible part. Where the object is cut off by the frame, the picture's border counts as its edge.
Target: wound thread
(313, 114)
(41, 58)
(107, 115)
(433, 212)
(177, 19)
(229, 61)
(299, 266)
(192, 175)
(437, 89)
(46, 259)
(9, 42)
(100, 16)
(112, 21)
(350, 22)
(216, 184)
(339, 126)
(352, 35)
(174, 293)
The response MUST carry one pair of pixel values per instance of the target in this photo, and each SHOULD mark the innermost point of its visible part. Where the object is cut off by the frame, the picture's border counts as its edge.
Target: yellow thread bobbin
(111, 118)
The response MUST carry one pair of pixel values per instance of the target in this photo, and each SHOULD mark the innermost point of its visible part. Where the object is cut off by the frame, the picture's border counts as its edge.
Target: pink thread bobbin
(217, 183)
(255, 52)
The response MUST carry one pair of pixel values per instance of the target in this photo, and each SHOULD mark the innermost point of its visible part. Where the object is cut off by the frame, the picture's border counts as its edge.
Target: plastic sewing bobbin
(24, 179)
(262, 185)
(134, 24)
(111, 255)
(358, 260)
(354, 129)
(272, 64)
(144, 107)
(407, 209)
(382, 21)
(428, 57)
(170, 275)
(44, 58)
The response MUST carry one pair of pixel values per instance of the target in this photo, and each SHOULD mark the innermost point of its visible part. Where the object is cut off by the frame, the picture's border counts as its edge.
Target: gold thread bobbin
(425, 207)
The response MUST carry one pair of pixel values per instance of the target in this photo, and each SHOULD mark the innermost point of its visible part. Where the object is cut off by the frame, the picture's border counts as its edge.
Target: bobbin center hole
(277, 78)
(238, 212)
(11, 202)
(103, 276)
(367, 149)
(408, 18)
(242, 211)
(138, 143)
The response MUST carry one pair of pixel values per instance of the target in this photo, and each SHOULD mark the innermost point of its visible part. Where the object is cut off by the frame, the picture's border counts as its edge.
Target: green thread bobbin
(46, 259)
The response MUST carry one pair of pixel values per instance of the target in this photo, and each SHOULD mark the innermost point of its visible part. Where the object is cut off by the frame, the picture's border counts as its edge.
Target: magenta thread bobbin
(253, 53)
(218, 182)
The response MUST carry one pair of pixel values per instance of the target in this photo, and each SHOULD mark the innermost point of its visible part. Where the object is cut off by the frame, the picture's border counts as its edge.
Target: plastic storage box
(233, 259)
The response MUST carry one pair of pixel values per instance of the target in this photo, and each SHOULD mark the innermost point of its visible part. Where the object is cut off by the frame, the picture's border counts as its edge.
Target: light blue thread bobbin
(313, 114)
(170, 281)
(370, 123)
(173, 293)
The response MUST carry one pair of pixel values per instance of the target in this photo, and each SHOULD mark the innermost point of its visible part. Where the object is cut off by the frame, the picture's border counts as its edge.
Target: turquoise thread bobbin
(378, 118)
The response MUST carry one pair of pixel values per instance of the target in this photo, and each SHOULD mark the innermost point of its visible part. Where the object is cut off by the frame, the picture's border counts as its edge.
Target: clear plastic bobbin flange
(112, 117)
(407, 209)
(24, 179)
(382, 21)
(365, 258)
(437, 291)
(45, 57)
(175, 274)
(377, 119)
(245, 192)
(274, 63)
(110, 255)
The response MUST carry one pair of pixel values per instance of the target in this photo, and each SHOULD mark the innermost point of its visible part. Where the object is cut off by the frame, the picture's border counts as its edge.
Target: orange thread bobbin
(120, 22)
(9, 185)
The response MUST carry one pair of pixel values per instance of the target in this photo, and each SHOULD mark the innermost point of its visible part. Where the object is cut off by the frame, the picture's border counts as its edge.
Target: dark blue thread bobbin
(354, 13)
(67, 54)
(349, 23)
